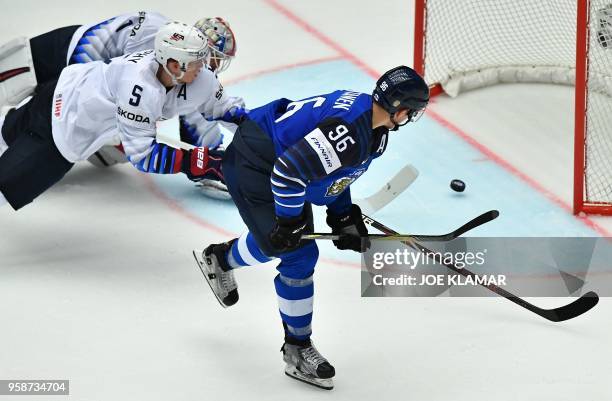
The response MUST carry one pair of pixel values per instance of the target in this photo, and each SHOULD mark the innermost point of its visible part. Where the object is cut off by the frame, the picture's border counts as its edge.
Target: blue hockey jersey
(322, 144)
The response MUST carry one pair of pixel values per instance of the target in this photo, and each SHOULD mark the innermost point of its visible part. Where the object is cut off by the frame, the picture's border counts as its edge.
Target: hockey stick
(398, 184)
(470, 225)
(566, 312)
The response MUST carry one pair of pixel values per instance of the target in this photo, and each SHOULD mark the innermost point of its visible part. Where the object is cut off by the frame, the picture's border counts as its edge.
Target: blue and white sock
(245, 252)
(295, 298)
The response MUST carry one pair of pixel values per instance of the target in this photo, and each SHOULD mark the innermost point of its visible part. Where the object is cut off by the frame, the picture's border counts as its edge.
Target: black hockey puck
(457, 185)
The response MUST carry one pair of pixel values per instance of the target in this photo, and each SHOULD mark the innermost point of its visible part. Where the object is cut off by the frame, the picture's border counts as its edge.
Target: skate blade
(197, 254)
(294, 373)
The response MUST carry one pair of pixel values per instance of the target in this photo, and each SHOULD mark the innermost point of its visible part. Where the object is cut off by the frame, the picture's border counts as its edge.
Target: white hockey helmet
(222, 42)
(182, 43)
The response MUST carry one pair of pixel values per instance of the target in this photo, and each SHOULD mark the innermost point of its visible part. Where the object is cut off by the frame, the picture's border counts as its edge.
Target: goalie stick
(470, 225)
(398, 184)
(576, 308)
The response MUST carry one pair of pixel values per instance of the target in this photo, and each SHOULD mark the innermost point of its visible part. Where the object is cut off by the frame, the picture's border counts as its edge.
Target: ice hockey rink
(98, 285)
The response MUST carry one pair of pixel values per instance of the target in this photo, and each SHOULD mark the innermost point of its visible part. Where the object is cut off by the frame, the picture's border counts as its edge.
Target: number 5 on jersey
(136, 93)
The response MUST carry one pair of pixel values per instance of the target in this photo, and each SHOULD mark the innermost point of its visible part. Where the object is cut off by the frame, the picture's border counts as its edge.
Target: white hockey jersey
(130, 33)
(124, 34)
(95, 101)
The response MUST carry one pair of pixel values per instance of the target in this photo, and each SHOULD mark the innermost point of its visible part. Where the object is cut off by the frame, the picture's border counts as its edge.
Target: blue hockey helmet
(402, 88)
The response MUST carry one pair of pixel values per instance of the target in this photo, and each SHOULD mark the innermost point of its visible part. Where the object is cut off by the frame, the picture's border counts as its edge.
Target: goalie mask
(402, 88)
(222, 42)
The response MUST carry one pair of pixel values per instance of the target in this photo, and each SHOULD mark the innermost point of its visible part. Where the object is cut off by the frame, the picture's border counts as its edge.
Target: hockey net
(463, 45)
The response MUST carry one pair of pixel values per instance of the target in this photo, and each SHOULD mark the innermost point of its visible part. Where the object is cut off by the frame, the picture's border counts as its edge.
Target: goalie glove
(235, 115)
(351, 228)
(200, 163)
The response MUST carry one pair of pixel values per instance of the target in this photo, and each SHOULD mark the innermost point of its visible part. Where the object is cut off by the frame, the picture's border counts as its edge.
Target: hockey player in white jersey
(25, 63)
(68, 120)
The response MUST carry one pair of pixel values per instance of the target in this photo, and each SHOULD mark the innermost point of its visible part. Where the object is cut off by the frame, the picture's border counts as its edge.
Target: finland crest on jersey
(341, 184)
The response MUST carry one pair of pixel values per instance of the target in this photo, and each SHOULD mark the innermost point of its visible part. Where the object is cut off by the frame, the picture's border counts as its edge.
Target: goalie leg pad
(17, 75)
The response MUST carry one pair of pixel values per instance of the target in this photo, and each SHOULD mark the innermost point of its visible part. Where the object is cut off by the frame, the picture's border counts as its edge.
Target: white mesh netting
(598, 172)
(475, 43)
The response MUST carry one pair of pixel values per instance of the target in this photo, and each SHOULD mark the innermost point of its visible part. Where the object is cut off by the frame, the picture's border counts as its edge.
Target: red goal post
(463, 45)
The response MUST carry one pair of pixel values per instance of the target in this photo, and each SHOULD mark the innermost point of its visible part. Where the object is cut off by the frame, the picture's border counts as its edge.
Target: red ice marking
(441, 120)
(345, 54)
(337, 262)
(175, 206)
(322, 38)
(515, 171)
(280, 68)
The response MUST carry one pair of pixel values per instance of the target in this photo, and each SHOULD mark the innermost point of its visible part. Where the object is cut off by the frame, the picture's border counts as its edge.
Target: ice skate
(217, 273)
(306, 364)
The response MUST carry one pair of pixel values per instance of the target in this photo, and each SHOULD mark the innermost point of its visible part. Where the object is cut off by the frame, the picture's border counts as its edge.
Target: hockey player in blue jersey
(285, 157)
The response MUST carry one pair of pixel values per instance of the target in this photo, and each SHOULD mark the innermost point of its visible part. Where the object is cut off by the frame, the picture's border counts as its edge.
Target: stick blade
(398, 184)
(581, 305)
(478, 221)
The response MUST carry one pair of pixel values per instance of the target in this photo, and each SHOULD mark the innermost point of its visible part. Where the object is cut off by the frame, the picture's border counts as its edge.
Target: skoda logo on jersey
(131, 116)
(141, 18)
